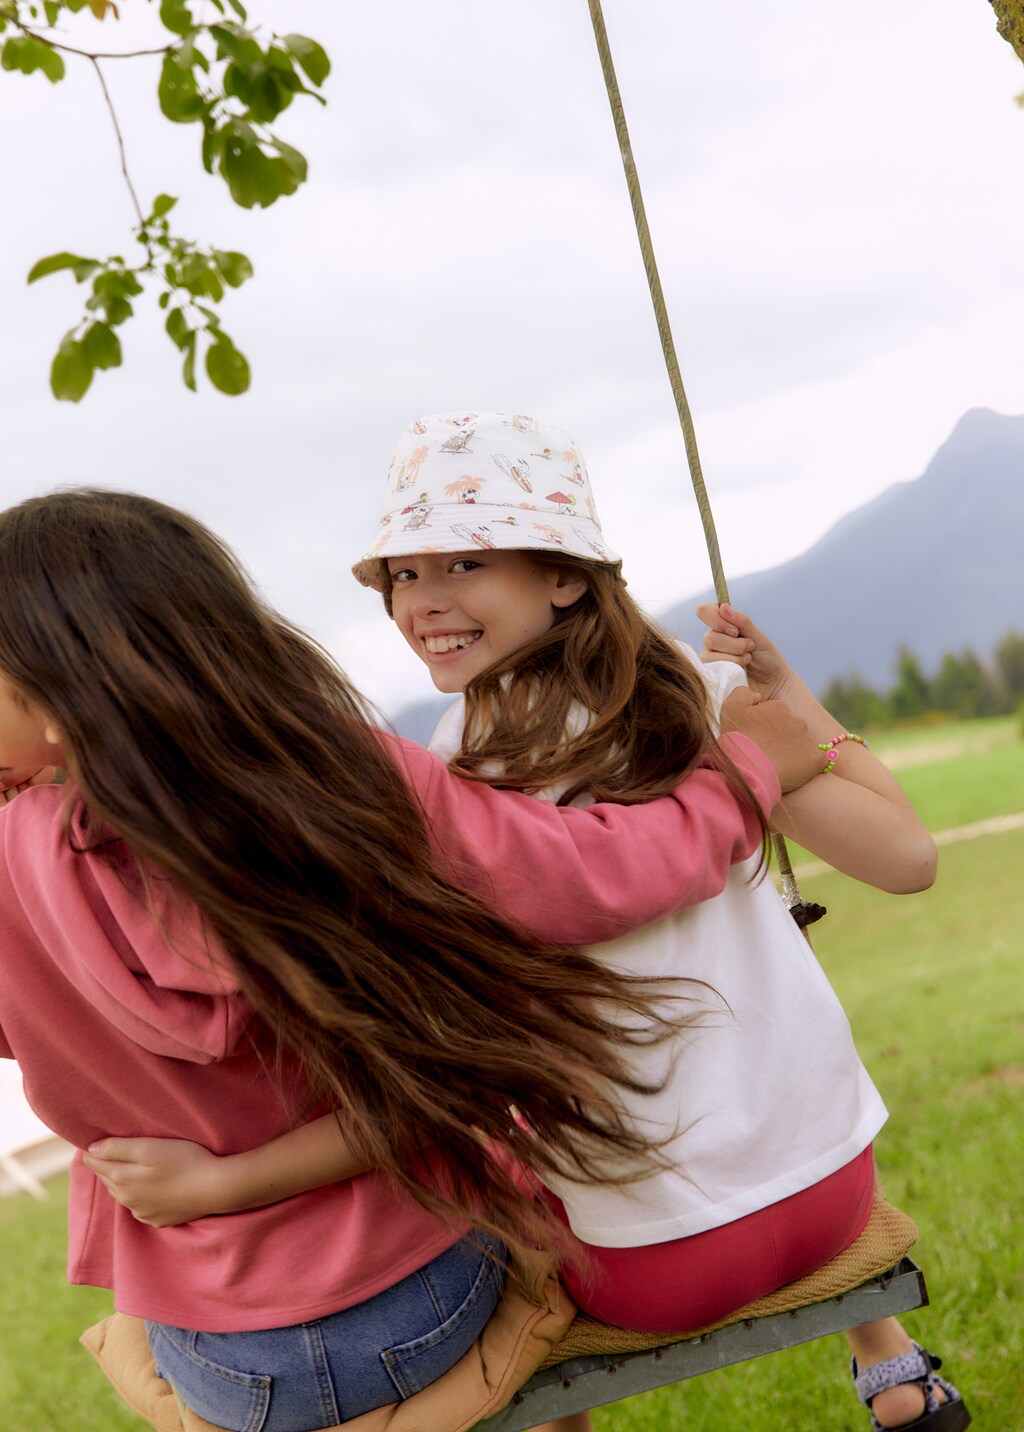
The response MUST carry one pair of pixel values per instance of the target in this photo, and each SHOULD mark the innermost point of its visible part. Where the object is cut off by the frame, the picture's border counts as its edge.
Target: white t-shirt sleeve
(446, 742)
(720, 677)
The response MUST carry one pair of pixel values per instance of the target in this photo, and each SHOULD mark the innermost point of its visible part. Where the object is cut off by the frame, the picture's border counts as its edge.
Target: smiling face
(463, 611)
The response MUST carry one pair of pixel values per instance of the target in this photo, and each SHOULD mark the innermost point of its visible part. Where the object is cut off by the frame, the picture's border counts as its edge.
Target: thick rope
(803, 913)
(668, 347)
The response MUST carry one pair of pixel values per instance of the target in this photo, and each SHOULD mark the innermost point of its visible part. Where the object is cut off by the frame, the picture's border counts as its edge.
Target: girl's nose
(430, 597)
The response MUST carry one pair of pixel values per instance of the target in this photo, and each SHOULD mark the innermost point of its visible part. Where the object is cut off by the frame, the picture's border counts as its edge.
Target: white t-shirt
(766, 1094)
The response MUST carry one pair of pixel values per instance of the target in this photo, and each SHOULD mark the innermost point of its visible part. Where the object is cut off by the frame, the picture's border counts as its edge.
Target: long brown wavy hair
(603, 702)
(220, 746)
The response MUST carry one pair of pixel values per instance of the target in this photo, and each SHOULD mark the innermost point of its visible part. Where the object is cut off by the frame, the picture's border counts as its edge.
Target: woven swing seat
(595, 1364)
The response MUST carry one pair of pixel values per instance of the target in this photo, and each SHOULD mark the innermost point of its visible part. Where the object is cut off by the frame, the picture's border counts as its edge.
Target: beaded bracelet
(831, 750)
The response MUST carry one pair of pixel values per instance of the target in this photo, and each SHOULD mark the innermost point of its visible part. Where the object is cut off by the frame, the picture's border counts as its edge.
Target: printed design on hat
(601, 553)
(547, 533)
(410, 468)
(419, 516)
(563, 500)
(518, 471)
(522, 423)
(575, 467)
(460, 439)
(480, 536)
(466, 488)
(458, 442)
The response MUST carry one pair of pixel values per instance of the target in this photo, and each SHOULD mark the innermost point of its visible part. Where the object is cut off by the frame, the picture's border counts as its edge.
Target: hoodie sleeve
(583, 876)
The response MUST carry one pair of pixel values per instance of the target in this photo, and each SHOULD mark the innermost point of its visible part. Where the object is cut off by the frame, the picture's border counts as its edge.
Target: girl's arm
(857, 818)
(168, 1181)
(578, 877)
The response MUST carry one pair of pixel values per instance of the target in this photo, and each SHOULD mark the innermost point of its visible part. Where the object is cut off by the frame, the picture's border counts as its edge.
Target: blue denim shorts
(316, 1374)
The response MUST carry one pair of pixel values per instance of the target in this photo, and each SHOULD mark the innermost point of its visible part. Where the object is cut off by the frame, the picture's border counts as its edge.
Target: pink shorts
(667, 1287)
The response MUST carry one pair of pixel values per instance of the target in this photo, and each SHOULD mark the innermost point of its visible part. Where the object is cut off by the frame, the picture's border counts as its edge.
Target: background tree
(232, 81)
(1009, 661)
(911, 695)
(853, 703)
(964, 687)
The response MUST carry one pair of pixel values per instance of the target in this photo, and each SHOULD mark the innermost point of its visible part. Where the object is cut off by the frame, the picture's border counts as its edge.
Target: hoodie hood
(161, 980)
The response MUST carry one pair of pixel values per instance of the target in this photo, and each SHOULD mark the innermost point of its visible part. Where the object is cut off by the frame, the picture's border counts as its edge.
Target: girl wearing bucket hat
(491, 560)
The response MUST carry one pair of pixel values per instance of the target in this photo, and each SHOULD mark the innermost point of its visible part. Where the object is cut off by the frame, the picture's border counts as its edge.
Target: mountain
(418, 721)
(936, 564)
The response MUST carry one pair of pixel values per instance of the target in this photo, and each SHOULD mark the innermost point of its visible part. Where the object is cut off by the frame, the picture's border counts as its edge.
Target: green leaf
(51, 9)
(211, 145)
(293, 160)
(102, 347)
(71, 372)
(234, 268)
(188, 369)
(227, 369)
(162, 204)
(196, 274)
(177, 328)
(27, 54)
(250, 175)
(116, 283)
(55, 262)
(234, 43)
(176, 17)
(164, 299)
(51, 64)
(311, 56)
(238, 8)
(178, 92)
(116, 310)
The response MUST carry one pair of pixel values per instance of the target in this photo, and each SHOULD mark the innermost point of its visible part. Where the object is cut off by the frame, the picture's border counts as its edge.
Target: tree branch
(94, 61)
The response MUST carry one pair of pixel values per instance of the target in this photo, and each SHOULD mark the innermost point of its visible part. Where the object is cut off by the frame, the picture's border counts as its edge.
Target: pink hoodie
(118, 1033)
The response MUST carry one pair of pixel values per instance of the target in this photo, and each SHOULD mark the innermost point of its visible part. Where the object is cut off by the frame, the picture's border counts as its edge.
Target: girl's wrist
(227, 1183)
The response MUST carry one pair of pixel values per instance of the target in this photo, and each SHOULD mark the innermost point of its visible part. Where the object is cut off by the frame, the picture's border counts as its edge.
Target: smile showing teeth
(437, 645)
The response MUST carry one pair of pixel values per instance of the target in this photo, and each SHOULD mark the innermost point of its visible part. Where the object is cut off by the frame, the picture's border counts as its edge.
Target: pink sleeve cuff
(755, 765)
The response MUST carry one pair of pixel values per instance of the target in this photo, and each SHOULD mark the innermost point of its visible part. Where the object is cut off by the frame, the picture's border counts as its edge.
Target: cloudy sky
(837, 204)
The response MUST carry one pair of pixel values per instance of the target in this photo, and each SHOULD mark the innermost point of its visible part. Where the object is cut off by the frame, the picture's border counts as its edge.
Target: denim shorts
(316, 1374)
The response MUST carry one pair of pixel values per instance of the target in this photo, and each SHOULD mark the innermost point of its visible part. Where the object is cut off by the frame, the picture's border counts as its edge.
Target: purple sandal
(917, 1366)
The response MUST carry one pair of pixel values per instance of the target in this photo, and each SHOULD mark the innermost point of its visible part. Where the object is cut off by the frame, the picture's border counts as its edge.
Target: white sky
(836, 200)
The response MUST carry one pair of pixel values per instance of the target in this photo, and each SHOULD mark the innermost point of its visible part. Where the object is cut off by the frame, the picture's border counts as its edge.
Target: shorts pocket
(415, 1364)
(237, 1401)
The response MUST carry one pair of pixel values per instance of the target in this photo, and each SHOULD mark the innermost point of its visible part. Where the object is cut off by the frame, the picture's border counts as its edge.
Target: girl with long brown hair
(498, 576)
(232, 918)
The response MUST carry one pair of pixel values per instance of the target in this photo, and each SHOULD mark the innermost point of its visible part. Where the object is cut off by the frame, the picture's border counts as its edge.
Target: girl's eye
(465, 564)
(404, 574)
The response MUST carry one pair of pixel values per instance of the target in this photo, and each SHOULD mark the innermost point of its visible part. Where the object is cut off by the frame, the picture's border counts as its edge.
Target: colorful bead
(832, 751)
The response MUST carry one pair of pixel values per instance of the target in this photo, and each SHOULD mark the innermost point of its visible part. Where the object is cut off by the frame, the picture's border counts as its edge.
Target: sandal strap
(914, 1366)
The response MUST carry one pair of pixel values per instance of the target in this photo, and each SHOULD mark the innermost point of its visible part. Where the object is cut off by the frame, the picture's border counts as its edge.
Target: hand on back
(783, 737)
(161, 1182)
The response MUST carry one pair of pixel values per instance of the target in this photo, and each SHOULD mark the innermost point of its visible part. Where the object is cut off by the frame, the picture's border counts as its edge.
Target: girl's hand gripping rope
(732, 636)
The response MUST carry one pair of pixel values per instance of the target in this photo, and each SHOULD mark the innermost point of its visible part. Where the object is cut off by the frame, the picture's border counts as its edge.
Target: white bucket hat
(499, 481)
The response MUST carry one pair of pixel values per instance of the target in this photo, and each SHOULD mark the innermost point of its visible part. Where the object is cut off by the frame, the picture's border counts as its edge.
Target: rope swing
(804, 912)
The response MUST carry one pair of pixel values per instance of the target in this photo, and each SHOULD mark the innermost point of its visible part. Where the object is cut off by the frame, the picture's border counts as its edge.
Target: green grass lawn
(933, 987)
